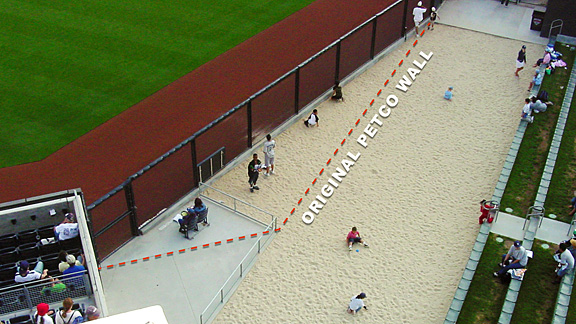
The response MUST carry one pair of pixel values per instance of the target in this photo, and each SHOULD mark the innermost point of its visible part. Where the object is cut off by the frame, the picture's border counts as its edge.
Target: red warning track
(105, 157)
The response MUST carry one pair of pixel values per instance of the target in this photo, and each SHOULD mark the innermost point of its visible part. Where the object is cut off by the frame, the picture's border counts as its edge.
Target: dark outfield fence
(117, 216)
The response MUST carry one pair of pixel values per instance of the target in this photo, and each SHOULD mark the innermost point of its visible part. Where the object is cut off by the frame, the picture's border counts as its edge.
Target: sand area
(413, 193)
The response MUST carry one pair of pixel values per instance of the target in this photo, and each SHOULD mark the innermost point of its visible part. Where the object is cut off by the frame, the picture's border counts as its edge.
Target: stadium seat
(51, 261)
(9, 255)
(71, 244)
(50, 248)
(7, 272)
(45, 232)
(29, 236)
(8, 240)
(28, 251)
(20, 319)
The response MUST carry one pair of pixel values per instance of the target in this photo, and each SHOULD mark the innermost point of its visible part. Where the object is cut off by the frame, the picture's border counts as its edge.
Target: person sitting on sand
(354, 237)
(312, 119)
(337, 92)
(448, 94)
(357, 303)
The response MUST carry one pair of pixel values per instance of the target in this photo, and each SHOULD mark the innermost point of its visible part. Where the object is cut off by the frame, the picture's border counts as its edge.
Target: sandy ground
(413, 193)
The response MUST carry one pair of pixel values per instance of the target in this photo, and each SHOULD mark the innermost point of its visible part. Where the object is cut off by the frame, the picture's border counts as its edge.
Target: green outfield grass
(69, 66)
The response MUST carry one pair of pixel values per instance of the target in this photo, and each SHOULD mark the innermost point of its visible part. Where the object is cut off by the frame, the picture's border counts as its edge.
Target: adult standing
(520, 60)
(518, 257)
(269, 146)
(254, 168)
(418, 13)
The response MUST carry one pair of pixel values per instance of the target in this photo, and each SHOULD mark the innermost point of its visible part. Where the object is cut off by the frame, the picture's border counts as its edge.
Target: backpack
(542, 96)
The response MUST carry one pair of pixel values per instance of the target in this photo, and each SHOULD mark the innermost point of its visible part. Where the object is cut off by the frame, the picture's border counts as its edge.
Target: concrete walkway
(513, 226)
(489, 16)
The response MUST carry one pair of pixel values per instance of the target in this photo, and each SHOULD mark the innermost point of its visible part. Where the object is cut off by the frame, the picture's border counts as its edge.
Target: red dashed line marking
(400, 64)
(342, 143)
(278, 229)
(230, 240)
(241, 237)
(334, 153)
(364, 113)
(299, 201)
(253, 235)
(134, 261)
(422, 33)
(218, 243)
(350, 132)
(393, 72)
(146, 259)
(371, 102)
(292, 212)
(313, 182)
(122, 264)
(408, 53)
(322, 171)
(284, 222)
(158, 256)
(379, 92)
(328, 161)
(265, 232)
(194, 248)
(428, 24)
(415, 42)
(385, 83)
(206, 245)
(307, 191)
(110, 266)
(170, 253)
(357, 121)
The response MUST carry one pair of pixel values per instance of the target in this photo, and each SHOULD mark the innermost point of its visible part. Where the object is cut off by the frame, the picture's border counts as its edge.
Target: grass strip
(525, 177)
(486, 295)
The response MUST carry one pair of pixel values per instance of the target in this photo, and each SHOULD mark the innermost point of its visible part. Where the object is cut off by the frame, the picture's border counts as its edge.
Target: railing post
(259, 246)
(129, 193)
(404, 28)
(195, 172)
(373, 45)
(221, 295)
(249, 116)
(337, 72)
(240, 269)
(297, 91)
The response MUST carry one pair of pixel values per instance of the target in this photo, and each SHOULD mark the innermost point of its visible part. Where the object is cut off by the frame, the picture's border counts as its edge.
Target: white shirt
(356, 303)
(70, 317)
(67, 231)
(312, 120)
(31, 275)
(47, 319)
(527, 109)
(418, 13)
(567, 260)
(269, 148)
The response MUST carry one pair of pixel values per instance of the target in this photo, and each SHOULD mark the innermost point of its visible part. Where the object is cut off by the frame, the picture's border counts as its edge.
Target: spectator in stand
(73, 275)
(25, 275)
(518, 257)
(63, 265)
(55, 286)
(565, 263)
(42, 315)
(67, 229)
(68, 316)
(92, 313)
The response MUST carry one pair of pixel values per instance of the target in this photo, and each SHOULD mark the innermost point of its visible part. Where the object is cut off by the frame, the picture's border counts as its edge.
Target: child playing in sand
(448, 94)
(357, 303)
(433, 17)
(312, 119)
(354, 237)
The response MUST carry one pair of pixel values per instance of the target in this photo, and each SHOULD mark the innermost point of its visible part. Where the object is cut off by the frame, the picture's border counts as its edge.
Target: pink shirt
(352, 235)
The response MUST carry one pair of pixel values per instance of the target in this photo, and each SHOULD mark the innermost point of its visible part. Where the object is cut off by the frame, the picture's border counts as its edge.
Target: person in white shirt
(357, 303)
(566, 262)
(67, 229)
(418, 13)
(269, 146)
(527, 111)
(312, 119)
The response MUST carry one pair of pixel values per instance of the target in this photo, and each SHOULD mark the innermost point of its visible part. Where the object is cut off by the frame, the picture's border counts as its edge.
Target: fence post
(403, 32)
(195, 172)
(129, 193)
(373, 45)
(337, 72)
(249, 113)
(297, 91)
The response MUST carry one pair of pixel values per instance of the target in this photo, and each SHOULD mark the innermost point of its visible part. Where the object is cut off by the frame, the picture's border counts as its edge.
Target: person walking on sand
(418, 13)
(520, 60)
(254, 168)
(433, 17)
(269, 146)
(312, 119)
(354, 237)
(357, 303)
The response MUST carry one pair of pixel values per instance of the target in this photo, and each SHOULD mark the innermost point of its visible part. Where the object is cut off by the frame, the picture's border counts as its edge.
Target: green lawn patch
(68, 67)
(537, 298)
(486, 295)
(529, 165)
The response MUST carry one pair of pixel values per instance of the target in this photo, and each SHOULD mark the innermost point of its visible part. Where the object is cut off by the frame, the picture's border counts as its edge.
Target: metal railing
(229, 286)
(26, 296)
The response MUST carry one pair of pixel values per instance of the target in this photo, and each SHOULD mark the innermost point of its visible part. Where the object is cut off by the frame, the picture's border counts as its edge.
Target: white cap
(419, 3)
(433, 9)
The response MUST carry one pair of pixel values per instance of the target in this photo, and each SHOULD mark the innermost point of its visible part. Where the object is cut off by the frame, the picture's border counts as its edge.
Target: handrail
(558, 26)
